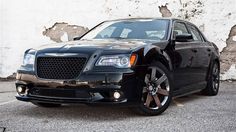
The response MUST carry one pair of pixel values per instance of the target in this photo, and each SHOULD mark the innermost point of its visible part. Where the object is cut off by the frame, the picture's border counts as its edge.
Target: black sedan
(139, 62)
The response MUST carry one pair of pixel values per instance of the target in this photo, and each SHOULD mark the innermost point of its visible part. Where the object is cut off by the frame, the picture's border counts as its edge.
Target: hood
(90, 46)
(103, 44)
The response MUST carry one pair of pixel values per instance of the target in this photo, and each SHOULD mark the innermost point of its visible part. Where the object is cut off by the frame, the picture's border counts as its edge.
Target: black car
(139, 62)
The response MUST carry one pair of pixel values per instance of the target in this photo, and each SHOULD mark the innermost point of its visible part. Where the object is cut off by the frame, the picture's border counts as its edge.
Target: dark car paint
(188, 62)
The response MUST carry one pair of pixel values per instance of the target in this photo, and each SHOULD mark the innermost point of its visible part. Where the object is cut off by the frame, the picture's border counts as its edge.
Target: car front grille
(60, 67)
(58, 92)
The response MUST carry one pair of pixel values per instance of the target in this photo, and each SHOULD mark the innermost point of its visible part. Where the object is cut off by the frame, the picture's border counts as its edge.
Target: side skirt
(190, 89)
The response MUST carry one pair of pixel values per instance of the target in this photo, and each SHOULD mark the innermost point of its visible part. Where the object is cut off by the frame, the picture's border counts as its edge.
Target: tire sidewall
(160, 110)
(210, 87)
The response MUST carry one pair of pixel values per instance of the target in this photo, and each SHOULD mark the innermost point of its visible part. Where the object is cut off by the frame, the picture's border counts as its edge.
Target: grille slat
(66, 93)
(60, 67)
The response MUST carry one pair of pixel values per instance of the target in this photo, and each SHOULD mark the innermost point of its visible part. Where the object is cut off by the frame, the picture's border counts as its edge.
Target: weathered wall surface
(28, 23)
(60, 32)
(228, 56)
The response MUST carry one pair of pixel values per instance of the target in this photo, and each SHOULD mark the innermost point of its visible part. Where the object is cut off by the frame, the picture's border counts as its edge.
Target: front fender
(152, 52)
(151, 48)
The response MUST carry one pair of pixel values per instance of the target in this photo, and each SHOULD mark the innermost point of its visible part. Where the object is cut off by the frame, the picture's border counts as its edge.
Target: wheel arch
(218, 61)
(214, 59)
(155, 53)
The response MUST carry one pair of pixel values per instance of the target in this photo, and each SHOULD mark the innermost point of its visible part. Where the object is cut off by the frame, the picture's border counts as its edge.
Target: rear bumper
(98, 89)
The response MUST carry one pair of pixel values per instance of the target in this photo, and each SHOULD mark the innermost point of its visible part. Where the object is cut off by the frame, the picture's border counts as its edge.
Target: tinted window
(125, 33)
(155, 34)
(180, 28)
(195, 33)
(106, 33)
(131, 29)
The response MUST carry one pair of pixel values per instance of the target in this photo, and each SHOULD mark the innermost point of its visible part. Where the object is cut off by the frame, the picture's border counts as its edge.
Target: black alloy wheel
(157, 94)
(213, 83)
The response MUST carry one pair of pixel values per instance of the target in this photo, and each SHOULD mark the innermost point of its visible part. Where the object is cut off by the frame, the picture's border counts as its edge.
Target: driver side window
(179, 28)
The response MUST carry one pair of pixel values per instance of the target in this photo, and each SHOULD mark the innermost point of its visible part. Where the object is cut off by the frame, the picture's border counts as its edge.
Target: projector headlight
(29, 59)
(120, 61)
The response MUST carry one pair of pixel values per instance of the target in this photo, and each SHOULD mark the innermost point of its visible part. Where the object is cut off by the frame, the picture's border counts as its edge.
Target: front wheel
(157, 93)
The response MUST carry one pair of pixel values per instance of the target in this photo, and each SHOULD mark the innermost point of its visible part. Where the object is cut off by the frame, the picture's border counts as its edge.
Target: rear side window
(180, 28)
(195, 33)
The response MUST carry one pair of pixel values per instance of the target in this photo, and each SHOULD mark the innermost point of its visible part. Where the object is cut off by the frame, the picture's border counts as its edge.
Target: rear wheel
(157, 93)
(213, 83)
(46, 104)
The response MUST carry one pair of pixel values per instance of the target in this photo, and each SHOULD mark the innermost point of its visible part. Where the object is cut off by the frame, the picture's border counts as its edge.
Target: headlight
(120, 61)
(29, 59)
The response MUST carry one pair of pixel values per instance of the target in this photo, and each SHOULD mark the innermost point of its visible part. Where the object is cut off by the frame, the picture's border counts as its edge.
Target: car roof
(147, 18)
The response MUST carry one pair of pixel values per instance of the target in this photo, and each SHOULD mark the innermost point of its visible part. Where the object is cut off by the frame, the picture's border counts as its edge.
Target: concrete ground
(190, 113)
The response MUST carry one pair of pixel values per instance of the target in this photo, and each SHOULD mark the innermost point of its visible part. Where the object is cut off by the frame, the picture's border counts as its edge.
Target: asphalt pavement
(191, 113)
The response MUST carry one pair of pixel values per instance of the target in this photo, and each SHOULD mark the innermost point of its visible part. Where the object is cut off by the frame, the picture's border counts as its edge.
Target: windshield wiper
(117, 38)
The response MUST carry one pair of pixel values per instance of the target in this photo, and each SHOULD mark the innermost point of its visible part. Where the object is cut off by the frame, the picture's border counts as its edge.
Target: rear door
(203, 54)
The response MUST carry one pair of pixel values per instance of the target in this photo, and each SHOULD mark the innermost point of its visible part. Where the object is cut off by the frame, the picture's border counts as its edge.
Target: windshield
(130, 29)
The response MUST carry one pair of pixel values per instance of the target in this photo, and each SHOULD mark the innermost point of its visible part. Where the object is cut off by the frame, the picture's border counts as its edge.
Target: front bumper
(93, 88)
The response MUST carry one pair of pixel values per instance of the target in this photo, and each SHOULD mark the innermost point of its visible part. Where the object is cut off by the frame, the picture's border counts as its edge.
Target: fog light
(20, 89)
(116, 95)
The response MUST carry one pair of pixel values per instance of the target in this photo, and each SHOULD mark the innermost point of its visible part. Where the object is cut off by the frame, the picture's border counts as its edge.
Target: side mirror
(183, 38)
(77, 38)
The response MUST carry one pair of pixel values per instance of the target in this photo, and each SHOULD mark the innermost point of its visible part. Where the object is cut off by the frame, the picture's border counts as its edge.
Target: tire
(213, 83)
(48, 105)
(151, 108)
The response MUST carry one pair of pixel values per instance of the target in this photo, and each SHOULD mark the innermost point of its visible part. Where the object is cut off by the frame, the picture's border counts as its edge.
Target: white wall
(22, 21)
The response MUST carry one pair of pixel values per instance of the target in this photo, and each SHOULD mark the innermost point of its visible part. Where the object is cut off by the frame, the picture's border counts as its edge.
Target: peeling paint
(230, 74)
(165, 12)
(232, 34)
(228, 56)
(62, 31)
(234, 38)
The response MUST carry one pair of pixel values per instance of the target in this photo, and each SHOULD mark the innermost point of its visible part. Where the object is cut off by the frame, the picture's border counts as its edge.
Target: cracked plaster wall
(62, 31)
(40, 22)
(228, 57)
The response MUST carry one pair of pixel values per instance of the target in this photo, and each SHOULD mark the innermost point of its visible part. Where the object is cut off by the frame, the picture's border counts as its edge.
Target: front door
(185, 58)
